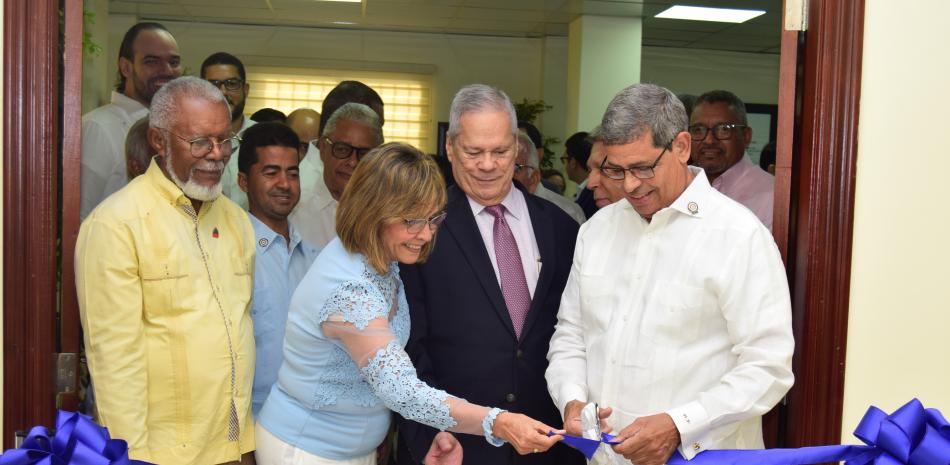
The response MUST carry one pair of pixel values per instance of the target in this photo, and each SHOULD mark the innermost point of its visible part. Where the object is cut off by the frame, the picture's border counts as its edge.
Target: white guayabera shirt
(688, 314)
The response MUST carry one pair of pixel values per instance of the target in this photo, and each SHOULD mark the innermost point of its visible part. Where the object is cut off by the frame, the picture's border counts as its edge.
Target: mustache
(208, 165)
(278, 191)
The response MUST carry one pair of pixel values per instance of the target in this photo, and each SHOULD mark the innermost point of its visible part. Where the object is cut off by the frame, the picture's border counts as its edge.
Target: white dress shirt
(103, 169)
(311, 173)
(315, 218)
(518, 219)
(572, 209)
(688, 314)
(229, 184)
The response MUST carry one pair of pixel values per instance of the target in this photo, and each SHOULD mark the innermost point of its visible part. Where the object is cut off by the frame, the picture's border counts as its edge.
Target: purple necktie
(513, 284)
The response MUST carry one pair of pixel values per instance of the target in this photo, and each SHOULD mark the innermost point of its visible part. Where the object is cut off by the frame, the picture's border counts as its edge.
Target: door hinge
(66, 380)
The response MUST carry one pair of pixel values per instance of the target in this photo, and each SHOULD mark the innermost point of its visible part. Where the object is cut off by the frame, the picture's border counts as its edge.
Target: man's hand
(445, 450)
(648, 440)
(572, 418)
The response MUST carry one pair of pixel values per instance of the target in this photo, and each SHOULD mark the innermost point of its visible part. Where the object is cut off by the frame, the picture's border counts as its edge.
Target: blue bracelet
(487, 424)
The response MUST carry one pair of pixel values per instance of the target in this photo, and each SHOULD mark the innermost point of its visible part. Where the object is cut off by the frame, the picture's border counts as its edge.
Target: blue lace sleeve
(393, 378)
(355, 302)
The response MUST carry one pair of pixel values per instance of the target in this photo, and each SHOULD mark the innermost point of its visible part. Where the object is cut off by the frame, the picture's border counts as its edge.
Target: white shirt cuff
(691, 420)
(569, 392)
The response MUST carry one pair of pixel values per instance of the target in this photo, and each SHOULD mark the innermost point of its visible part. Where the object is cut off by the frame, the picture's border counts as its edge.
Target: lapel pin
(263, 242)
(693, 207)
(214, 233)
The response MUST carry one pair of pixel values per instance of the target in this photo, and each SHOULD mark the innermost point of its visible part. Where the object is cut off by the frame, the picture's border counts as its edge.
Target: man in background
(305, 122)
(528, 174)
(350, 133)
(226, 72)
(138, 152)
(148, 58)
(576, 153)
(720, 134)
(268, 173)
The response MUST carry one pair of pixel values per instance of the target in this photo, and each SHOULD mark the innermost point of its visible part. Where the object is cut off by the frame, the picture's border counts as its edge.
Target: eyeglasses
(564, 160)
(720, 131)
(414, 226)
(202, 146)
(229, 84)
(640, 172)
(519, 167)
(342, 150)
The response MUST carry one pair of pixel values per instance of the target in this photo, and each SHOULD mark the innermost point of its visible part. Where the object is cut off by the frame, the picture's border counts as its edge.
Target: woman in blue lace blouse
(344, 365)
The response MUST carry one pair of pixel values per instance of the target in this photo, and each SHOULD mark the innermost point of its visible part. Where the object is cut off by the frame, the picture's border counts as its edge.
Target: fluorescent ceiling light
(344, 23)
(346, 1)
(701, 13)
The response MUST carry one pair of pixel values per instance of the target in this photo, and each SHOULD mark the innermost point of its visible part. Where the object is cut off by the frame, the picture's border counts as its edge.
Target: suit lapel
(460, 225)
(544, 235)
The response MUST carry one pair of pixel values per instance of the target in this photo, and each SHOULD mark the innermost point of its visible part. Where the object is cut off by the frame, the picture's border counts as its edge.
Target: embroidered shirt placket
(233, 424)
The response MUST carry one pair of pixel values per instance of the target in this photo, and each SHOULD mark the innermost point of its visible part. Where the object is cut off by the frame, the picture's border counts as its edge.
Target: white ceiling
(511, 18)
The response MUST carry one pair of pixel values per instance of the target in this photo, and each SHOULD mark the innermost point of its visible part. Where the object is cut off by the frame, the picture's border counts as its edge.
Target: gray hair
(724, 96)
(596, 135)
(165, 110)
(526, 148)
(136, 144)
(358, 113)
(479, 97)
(641, 108)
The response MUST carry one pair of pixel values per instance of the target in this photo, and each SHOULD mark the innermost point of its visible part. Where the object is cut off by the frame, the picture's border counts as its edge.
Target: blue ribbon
(78, 441)
(912, 435)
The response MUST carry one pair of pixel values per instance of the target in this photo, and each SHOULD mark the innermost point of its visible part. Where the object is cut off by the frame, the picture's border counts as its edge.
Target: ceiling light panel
(699, 13)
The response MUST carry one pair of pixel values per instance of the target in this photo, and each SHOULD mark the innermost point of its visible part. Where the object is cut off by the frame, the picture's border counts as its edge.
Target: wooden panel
(69, 326)
(30, 161)
(821, 217)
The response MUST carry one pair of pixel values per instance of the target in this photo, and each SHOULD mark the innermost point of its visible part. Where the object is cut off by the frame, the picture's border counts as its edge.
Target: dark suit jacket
(586, 200)
(462, 339)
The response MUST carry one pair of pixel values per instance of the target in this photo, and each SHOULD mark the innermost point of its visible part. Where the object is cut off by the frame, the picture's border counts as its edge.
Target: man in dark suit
(485, 303)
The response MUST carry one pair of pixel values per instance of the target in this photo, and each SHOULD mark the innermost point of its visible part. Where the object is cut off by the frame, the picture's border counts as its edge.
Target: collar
(734, 172)
(510, 202)
(696, 195)
(128, 105)
(165, 187)
(321, 195)
(267, 237)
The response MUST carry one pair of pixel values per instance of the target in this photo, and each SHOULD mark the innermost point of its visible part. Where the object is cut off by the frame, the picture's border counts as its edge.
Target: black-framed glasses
(202, 146)
(721, 131)
(618, 173)
(415, 225)
(519, 167)
(229, 84)
(342, 150)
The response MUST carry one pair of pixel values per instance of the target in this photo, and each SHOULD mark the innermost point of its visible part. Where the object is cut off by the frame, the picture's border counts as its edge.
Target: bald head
(306, 123)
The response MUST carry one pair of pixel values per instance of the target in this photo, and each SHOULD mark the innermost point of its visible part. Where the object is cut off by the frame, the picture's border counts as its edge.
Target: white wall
(899, 315)
(751, 76)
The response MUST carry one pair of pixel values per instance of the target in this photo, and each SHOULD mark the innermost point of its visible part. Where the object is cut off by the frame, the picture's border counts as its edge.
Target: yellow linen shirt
(153, 313)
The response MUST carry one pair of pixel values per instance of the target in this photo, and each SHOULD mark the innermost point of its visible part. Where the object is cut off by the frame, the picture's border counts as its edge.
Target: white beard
(192, 189)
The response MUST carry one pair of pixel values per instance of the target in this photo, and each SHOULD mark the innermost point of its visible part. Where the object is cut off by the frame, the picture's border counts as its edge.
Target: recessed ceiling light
(346, 1)
(344, 23)
(701, 13)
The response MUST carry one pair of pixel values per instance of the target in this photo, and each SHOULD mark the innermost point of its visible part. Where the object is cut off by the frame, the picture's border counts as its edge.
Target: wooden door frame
(814, 207)
(815, 179)
(33, 329)
(30, 211)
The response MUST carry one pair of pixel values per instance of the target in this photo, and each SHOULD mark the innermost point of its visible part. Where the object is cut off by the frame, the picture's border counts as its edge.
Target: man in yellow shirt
(164, 275)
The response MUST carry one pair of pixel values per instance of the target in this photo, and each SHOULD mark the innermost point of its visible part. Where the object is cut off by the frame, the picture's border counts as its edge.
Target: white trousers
(273, 451)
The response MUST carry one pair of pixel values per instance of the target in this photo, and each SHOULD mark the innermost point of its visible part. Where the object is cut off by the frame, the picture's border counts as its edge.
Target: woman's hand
(524, 433)
(445, 450)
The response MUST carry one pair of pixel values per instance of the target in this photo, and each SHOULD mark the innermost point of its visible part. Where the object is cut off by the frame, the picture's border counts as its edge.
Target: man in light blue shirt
(268, 172)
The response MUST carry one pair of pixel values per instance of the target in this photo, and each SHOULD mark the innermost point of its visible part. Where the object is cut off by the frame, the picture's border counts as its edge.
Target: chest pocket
(679, 312)
(161, 283)
(598, 301)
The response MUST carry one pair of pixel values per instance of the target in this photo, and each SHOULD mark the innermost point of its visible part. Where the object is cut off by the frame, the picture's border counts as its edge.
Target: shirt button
(510, 398)
(519, 353)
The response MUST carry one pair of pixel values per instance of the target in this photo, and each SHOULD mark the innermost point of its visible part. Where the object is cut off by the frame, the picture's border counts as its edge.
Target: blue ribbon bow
(78, 441)
(912, 435)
